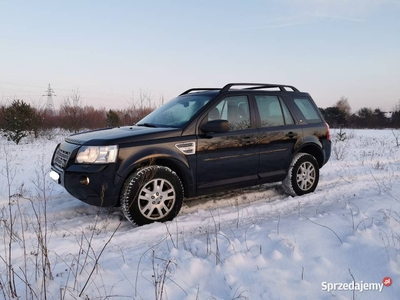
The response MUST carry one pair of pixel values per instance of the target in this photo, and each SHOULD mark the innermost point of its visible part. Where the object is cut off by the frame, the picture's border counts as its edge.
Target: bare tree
(39, 112)
(344, 106)
(71, 111)
(138, 107)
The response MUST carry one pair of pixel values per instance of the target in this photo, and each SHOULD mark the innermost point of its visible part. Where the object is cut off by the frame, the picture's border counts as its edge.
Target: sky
(112, 51)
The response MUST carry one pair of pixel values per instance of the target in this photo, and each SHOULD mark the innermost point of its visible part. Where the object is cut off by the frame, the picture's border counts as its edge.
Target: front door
(228, 159)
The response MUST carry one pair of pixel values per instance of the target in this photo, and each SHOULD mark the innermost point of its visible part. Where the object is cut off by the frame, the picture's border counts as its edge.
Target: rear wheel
(303, 175)
(154, 193)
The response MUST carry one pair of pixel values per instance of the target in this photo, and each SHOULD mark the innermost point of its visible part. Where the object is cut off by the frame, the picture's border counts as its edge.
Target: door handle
(291, 134)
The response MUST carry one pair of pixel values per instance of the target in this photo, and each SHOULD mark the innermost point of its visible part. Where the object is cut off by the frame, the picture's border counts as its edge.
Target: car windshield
(177, 112)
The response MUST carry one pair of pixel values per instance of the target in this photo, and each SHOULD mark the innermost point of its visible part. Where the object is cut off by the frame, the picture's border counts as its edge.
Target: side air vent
(187, 148)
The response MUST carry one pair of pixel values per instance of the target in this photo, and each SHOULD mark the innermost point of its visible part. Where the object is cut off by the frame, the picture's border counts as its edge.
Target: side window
(272, 111)
(235, 109)
(308, 110)
(286, 114)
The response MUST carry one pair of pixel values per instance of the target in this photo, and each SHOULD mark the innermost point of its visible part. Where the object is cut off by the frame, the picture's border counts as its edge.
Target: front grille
(61, 158)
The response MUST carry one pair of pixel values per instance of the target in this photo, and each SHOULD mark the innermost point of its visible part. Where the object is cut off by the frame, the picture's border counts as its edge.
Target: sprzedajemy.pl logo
(356, 286)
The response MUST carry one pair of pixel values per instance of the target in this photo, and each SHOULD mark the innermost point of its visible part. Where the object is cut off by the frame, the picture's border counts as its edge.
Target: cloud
(291, 13)
(349, 10)
(284, 22)
(336, 17)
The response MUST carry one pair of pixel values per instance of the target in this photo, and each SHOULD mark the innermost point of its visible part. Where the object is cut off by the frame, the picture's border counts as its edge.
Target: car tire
(303, 175)
(152, 194)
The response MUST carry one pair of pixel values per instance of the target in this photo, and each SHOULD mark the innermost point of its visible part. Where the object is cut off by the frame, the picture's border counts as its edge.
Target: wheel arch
(176, 163)
(179, 169)
(314, 150)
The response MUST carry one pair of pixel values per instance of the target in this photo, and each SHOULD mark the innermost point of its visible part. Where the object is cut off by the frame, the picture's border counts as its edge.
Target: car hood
(121, 135)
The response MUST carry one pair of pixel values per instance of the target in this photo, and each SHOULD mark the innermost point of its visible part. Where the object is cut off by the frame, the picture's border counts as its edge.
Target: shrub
(18, 120)
(113, 119)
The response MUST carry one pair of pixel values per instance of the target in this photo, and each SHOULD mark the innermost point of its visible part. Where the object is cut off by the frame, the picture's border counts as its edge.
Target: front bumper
(95, 184)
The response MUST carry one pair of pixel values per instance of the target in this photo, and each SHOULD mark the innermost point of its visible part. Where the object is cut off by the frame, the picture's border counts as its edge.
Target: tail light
(328, 135)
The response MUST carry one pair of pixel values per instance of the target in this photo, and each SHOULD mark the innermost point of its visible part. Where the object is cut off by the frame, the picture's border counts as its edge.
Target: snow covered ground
(337, 243)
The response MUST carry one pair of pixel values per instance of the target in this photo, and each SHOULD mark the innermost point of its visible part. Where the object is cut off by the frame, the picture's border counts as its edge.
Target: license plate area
(54, 175)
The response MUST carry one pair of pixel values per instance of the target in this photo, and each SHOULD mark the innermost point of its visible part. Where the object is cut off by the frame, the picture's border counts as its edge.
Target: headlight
(97, 154)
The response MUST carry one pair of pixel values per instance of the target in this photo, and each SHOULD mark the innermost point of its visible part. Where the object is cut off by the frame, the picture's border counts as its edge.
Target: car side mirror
(216, 126)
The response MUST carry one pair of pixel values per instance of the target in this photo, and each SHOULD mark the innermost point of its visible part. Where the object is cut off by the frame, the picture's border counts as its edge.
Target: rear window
(308, 110)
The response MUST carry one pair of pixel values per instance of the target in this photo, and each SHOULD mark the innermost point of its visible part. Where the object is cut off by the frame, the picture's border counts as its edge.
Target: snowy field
(337, 243)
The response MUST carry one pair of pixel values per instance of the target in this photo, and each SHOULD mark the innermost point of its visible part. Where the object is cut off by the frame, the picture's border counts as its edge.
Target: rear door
(314, 127)
(278, 136)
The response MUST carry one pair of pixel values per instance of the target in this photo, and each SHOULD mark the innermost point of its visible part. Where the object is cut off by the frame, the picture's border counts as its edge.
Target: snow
(255, 243)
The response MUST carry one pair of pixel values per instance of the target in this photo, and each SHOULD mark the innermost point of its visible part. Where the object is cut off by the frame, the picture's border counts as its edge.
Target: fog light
(84, 180)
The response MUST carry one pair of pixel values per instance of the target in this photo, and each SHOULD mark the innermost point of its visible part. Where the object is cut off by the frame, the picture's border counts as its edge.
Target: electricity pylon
(50, 102)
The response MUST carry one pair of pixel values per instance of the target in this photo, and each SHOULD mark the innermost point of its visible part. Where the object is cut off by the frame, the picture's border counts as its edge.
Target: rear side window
(272, 111)
(308, 110)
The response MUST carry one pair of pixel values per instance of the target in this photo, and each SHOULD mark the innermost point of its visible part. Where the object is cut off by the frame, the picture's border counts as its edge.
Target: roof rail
(249, 86)
(254, 86)
(199, 89)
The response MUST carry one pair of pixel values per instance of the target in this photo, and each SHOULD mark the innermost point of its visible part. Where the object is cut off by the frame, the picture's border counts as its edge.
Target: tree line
(20, 119)
(340, 115)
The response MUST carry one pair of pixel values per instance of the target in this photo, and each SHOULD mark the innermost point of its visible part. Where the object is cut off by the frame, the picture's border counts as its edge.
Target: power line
(59, 89)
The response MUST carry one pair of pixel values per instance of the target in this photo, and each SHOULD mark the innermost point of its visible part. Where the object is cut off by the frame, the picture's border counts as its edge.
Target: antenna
(50, 102)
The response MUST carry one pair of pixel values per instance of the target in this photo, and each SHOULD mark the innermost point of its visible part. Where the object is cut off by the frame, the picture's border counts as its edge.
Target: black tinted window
(271, 114)
(308, 110)
(235, 109)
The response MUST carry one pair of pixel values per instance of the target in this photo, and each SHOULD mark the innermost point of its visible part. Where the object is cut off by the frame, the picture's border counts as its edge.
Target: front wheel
(154, 193)
(303, 175)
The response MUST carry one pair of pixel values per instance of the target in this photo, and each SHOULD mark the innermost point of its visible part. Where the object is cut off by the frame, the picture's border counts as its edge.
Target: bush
(113, 119)
(18, 120)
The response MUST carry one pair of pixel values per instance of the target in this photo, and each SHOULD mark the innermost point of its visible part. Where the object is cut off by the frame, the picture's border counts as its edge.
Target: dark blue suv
(205, 140)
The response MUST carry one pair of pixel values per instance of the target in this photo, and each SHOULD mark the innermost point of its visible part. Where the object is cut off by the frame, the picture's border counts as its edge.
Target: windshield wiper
(147, 125)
